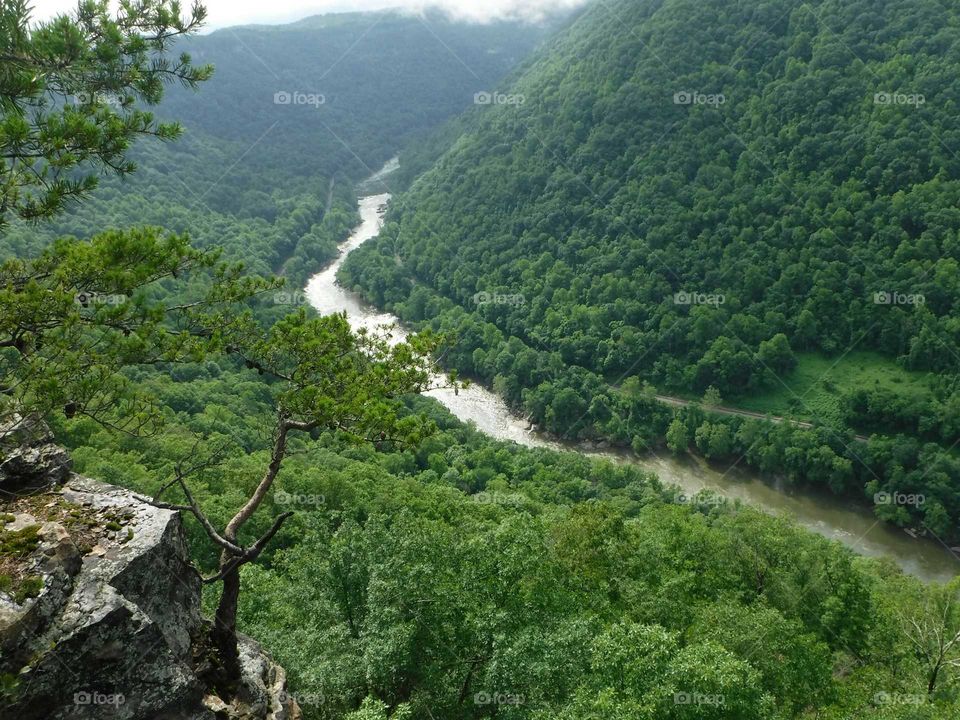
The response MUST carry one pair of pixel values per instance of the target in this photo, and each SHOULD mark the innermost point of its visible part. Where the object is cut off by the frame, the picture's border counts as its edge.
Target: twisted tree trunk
(224, 633)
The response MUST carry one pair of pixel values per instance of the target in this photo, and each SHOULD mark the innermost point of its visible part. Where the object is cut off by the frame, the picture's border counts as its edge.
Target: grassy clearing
(819, 381)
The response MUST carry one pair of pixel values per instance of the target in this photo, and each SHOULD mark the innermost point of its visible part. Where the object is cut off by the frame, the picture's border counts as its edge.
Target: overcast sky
(223, 13)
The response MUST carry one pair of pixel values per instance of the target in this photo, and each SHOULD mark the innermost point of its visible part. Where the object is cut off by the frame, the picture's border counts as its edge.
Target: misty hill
(659, 151)
(293, 116)
(710, 195)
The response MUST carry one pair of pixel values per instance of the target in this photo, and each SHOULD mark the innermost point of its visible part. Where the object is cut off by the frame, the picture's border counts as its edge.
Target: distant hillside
(704, 194)
(289, 109)
(795, 157)
(357, 85)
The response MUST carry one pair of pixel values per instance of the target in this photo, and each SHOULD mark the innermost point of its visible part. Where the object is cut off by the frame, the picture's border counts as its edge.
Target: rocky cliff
(100, 604)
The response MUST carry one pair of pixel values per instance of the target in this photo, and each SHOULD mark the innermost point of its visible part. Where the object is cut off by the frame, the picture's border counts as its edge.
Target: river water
(821, 513)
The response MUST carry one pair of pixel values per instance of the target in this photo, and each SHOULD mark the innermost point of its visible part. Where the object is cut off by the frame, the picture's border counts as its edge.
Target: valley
(599, 360)
(826, 515)
(754, 252)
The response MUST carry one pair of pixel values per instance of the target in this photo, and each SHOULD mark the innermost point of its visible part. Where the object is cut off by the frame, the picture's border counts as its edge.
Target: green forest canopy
(703, 195)
(271, 183)
(460, 577)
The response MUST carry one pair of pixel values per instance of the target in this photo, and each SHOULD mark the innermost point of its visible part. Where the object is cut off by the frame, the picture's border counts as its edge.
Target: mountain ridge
(793, 164)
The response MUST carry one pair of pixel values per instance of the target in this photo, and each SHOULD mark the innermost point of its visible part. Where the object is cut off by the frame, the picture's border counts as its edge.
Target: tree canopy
(407, 565)
(706, 195)
(72, 91)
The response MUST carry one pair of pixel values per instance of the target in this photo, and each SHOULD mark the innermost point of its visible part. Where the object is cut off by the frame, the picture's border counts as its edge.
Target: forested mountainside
(292, 117)
(399, 564)
(467, 578)
(754, 199)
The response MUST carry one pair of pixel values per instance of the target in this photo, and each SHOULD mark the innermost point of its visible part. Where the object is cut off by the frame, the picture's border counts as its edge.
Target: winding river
(821, 513)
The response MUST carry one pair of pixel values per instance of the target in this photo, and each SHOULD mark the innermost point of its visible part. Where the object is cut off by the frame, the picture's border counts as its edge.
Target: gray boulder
(112, 627)
(29, 458)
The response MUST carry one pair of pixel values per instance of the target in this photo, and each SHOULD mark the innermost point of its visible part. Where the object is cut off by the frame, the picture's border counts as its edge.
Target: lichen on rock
(111, 625)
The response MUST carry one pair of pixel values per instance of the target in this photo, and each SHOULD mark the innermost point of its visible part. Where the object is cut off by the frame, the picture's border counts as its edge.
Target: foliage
(691, 195)
(69, 90)
(454, 576)
(271, 183)
(463, 575)
(79, 315)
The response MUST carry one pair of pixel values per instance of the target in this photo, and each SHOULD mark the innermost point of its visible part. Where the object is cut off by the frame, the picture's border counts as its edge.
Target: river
(821, 513)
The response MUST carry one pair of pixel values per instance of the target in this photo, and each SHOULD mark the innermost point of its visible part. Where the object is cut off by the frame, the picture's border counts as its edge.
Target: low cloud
(224, 13)
(531, 10)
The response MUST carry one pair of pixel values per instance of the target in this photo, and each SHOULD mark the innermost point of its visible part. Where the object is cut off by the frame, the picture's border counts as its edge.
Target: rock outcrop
(100, 606)
(29, 458)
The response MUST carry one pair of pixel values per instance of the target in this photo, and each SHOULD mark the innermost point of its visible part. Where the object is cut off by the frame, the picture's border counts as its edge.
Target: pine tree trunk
(224, 635)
